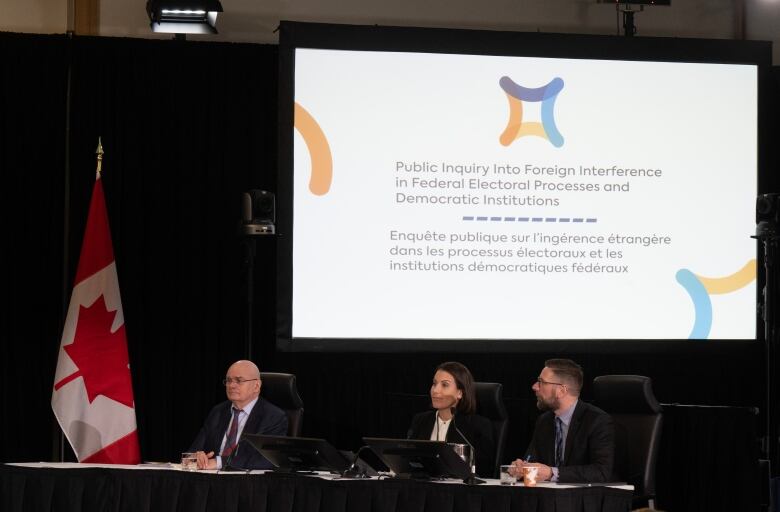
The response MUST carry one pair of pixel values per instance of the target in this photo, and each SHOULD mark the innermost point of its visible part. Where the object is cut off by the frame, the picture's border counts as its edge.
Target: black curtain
(33, 89)
(187, 127)
(350, 395)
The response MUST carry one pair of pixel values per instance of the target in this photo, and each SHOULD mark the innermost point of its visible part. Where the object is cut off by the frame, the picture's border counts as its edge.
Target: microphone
(226, 466)
(353, 471)
(472, 478)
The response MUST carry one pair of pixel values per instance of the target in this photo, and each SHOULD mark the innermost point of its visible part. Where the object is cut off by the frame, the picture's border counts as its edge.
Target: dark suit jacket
(265, 418)
(589, 455)
(477, 429)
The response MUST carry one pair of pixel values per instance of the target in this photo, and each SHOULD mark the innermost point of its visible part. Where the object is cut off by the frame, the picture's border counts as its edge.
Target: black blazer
(589, 455)
(265, 418)
(477, 429)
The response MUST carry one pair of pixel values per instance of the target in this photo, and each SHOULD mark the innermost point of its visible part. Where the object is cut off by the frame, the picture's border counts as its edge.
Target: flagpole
(99, 152)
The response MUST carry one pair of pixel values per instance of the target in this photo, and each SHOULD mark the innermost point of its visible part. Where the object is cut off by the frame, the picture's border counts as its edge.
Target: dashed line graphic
(484, 218)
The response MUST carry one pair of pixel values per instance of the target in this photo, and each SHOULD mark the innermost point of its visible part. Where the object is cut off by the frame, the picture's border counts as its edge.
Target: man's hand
(544, 471)
(516, 469)
(206, 460)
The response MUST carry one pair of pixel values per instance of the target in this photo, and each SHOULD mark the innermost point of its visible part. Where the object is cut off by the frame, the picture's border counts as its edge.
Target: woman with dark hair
(454, 401)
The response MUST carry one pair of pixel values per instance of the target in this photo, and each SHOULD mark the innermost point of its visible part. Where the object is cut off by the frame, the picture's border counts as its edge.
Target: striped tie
(558, 442)
(230, 442)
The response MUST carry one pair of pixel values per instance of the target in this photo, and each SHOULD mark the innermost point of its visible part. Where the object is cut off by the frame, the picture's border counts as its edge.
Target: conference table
(165, 487)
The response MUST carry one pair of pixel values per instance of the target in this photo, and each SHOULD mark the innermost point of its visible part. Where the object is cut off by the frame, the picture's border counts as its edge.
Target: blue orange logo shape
(700, 288)
(517, 94)
(319, 151)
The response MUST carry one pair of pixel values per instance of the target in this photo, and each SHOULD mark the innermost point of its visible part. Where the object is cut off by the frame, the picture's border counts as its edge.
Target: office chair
(490, 404)
(638, 418)
(280, 389)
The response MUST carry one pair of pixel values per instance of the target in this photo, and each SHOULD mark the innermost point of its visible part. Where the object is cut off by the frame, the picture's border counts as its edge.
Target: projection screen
(437, 195)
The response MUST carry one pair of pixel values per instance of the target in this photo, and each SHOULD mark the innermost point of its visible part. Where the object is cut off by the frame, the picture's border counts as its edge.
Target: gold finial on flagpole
(99, 153)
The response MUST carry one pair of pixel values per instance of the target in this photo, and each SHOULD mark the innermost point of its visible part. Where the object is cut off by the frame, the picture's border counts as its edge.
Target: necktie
(230, 442)
(558, 442)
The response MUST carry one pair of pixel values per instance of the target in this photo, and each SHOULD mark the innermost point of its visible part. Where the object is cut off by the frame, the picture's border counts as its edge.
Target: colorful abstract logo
(700, 289)
(319, 151)
(516, 127)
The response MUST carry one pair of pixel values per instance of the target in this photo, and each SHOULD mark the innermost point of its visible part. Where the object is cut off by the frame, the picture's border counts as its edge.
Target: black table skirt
(101, 489)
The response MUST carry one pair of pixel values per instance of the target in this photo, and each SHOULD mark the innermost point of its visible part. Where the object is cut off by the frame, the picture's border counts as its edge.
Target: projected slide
(441, 196)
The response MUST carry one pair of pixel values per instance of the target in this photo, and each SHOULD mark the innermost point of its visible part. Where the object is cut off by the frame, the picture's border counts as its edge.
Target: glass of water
(508, 475)
(189, 461)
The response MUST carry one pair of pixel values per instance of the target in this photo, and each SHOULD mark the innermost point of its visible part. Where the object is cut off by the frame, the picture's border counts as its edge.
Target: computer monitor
(296, 454)
(414, 458)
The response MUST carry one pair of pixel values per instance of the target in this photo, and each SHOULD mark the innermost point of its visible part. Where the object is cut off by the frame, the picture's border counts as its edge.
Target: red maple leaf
(100, 355)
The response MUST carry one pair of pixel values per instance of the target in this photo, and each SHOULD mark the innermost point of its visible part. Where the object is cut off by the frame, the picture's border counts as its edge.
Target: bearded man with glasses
(573, 441)
(218, 444)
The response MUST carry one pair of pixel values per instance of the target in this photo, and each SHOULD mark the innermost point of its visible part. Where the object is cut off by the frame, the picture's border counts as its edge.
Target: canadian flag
(93, 391)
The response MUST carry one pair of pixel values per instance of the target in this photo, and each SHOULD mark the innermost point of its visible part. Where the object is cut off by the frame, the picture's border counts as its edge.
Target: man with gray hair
(573, 441)
(218, 444)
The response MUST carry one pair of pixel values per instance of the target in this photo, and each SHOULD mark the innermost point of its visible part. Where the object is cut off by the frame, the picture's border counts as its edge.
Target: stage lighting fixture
(628, 9)
(184, 16)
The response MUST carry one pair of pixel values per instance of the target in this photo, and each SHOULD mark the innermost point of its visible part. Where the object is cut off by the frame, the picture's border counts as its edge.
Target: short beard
(547, 406)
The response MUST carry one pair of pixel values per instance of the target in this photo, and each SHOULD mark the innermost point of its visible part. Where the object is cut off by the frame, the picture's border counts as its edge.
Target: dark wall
(186, 128)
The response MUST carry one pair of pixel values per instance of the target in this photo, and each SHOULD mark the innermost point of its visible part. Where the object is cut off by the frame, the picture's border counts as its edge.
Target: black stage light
(184, 16)
(629, 8)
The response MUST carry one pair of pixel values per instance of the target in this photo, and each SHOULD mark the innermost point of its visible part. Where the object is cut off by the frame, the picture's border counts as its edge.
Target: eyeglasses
(238, 380)
(542, 382)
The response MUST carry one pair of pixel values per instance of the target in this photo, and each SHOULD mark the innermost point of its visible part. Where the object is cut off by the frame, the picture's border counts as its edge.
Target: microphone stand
(472, 478)
(226, 466)
(353, 471)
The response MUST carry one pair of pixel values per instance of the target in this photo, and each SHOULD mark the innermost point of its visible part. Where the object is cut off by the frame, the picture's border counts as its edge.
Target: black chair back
(638, 417)
(490, 404)
(281, 390)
